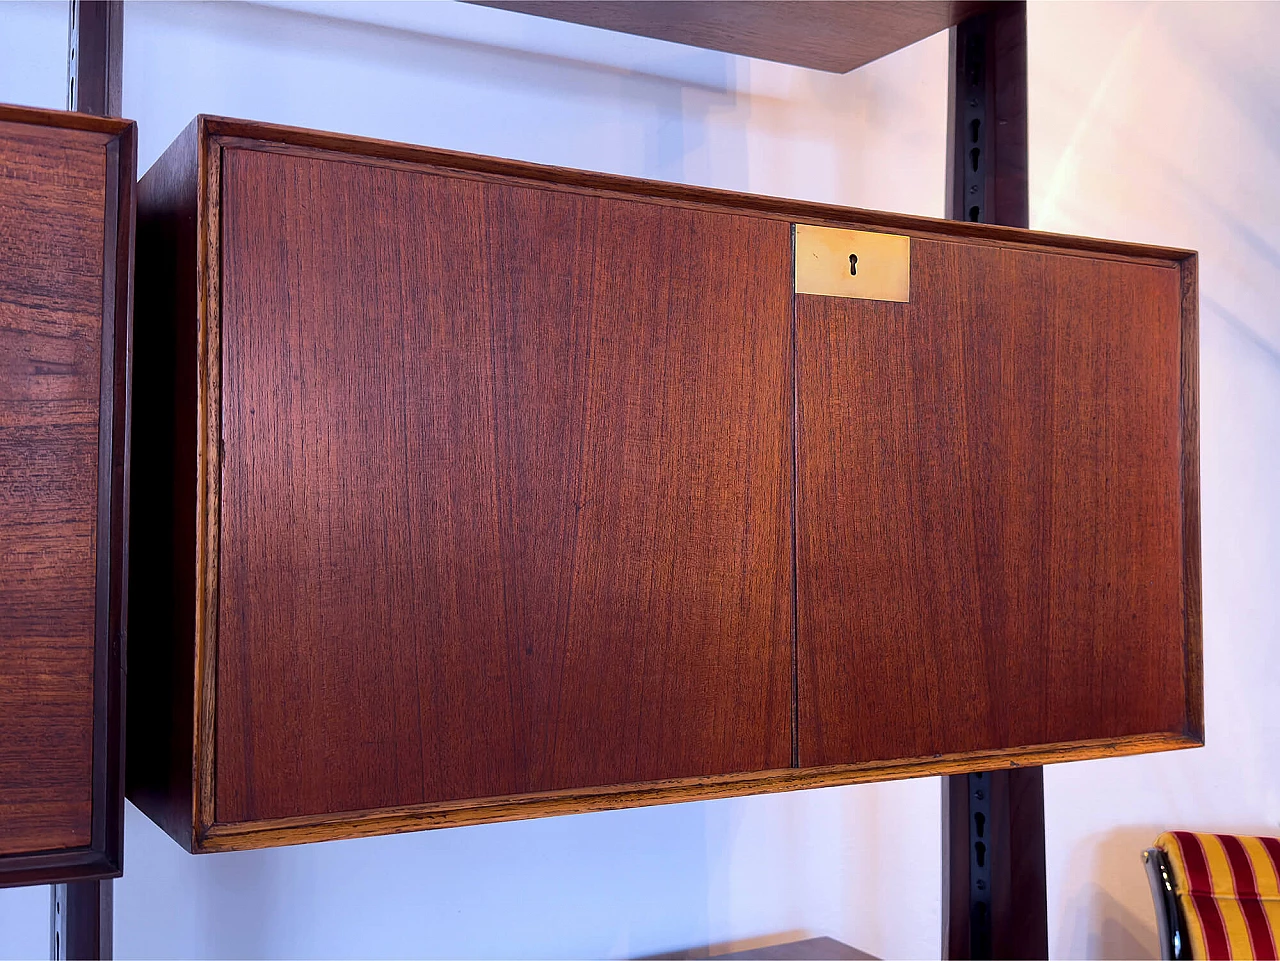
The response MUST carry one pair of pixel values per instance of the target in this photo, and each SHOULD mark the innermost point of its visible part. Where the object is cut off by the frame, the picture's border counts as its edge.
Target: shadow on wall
(1098, 924)
(1121, 933)
(587, 886)
(343, 30)
(417, 83)
(486, 81)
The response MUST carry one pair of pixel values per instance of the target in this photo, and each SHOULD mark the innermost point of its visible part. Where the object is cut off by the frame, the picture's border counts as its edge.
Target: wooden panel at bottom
(272, 832)
(505, 490)
(989, 508)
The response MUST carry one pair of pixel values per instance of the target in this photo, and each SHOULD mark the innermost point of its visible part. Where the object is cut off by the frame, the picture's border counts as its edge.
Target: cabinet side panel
(163, 519)
(115, 400)
(51, 296)
(990, 522)
(505, 490)
(1192, 589)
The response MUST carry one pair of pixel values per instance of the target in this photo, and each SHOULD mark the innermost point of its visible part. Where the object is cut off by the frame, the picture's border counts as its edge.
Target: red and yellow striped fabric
(1229, 892)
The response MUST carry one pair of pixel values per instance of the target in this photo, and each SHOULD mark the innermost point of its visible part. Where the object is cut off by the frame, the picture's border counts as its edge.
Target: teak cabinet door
(65, 245)
(482, 490)
(990, 508)
(505, 489)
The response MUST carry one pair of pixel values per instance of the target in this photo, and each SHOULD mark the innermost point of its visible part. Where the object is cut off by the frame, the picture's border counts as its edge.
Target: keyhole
(853, 265)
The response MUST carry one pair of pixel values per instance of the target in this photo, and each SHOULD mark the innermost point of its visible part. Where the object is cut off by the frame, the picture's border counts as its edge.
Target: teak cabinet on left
(66, 246)
(483, 490)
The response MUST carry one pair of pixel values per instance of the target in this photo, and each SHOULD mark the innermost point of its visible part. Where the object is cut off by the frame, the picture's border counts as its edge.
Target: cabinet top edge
(64, 119)
(212, 128)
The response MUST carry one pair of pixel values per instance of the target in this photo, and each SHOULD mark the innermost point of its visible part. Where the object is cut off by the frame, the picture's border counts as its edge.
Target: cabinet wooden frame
(102, 857)
(172, 739)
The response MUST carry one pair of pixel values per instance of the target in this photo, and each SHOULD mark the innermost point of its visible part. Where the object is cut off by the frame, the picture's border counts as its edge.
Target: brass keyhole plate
(825, 257)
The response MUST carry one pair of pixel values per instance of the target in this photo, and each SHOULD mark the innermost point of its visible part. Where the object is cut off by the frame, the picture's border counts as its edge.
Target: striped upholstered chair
(1217, 895)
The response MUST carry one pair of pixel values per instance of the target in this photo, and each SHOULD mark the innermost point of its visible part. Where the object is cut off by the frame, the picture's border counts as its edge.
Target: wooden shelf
(832, 35)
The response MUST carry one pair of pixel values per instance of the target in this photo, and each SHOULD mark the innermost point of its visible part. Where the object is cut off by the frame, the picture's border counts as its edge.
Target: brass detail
(852, 263)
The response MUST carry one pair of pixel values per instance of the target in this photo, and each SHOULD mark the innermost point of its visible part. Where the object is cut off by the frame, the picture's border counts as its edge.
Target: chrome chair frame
(1174, 944)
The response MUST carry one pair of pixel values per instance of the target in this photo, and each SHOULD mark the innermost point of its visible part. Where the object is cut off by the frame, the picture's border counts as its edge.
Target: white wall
(1161, 123)
(1149, 122)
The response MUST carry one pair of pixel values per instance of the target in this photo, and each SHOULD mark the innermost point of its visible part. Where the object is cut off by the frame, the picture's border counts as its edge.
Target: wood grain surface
(65, 229)
(832, 35)
(989, 529)
(452, 482)
(505, 490)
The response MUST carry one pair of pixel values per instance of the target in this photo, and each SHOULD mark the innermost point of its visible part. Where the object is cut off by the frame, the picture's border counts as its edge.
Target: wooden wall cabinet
(479, 490)
(66, 246)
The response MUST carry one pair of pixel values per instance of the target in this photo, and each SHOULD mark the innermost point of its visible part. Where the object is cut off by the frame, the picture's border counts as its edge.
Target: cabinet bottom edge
(277, 832)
